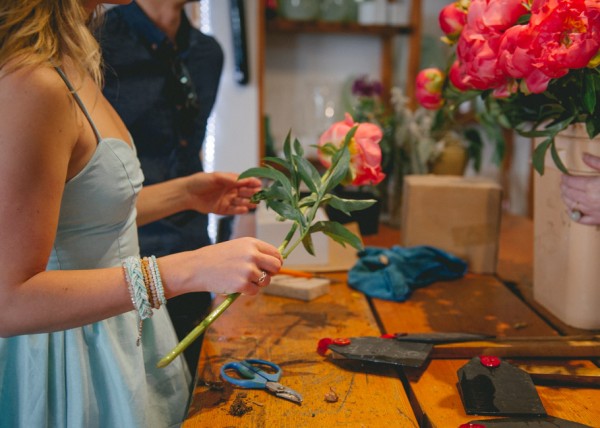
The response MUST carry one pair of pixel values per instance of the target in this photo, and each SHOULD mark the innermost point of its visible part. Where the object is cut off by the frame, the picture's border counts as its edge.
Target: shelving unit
(386, 34)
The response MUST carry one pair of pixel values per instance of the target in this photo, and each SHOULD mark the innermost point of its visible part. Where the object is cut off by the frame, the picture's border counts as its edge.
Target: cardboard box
(460, 215)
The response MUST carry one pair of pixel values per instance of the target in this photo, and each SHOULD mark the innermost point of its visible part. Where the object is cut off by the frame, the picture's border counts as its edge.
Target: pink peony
(365, 162)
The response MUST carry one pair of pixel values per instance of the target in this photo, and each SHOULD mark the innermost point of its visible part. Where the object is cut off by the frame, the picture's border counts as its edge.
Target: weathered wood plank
(286, 331)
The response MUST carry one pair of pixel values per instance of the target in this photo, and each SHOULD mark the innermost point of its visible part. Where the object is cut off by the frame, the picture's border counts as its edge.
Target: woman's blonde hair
(37, 32)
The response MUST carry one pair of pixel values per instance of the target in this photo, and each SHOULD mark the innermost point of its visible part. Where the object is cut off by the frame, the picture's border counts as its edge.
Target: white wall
(236, 116)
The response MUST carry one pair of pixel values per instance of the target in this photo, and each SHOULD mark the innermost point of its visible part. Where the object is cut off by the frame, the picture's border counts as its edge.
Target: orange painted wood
(286, 331)
(480, 304)
(441, 406)
(515, 251)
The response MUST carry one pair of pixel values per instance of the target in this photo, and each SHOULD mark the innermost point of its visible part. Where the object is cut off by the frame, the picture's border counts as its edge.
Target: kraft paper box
(460, 215)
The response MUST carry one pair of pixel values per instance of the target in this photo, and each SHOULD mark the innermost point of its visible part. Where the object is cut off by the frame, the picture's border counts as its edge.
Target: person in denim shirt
(162, 76)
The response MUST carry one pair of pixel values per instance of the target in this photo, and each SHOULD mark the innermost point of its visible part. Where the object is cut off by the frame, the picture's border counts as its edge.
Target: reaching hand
(221, 193)
(581, 193)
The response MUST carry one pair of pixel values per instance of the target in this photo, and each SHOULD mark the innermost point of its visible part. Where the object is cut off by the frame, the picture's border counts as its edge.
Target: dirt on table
(239, 407)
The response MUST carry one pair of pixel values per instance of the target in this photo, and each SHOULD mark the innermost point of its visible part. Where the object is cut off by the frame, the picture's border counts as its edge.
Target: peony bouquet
(351, 154)
(535, 64)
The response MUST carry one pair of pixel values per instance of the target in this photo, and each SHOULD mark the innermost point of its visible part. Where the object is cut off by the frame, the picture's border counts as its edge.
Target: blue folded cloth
(393, 273)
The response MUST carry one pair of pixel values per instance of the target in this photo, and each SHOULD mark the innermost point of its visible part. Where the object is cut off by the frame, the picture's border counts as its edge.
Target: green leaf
(307, 242)
(328, 149)
(348, 205)
(287, 211)
(589, 93)
(273, 174)
(308, 174)
(556, 158)
(261, 195)
(339, 170)
(287, 150)
(312, 199)
(276, 191)
(338, 233)
(592, 126)
(298, 148)
(475, 147)
(539, 155)
(278, 161)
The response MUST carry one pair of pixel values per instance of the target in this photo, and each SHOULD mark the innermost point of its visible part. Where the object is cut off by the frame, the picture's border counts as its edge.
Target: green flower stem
(197, 331)
(212, 317)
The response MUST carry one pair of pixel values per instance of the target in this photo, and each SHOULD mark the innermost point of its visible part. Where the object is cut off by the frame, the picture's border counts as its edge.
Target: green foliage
(284, 195)
(570, 99)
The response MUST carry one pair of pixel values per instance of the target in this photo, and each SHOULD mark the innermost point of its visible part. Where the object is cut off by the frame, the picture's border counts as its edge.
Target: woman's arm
(219, 193)
(40, 126)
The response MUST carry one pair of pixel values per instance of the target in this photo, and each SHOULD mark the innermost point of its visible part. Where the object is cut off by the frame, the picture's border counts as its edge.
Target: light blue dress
(95, 375)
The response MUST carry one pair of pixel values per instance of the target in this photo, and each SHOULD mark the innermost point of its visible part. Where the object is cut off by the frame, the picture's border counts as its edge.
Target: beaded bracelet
(160, 291)
(150, 284)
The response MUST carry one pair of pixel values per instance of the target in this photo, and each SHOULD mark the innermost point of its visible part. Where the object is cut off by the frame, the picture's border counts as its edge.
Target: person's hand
(241, 265)
(581, 194)
(221, 193)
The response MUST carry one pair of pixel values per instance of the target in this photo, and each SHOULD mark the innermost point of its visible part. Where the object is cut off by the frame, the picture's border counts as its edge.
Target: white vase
(566, 274)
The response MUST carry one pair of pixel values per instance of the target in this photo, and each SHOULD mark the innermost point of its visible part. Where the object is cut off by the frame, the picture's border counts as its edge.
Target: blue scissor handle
(250, 370)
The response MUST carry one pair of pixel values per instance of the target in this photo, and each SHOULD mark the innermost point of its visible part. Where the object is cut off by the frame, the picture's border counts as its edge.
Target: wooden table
(287, 331)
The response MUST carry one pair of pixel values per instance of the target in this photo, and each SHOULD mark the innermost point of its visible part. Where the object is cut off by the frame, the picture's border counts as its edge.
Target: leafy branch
(284, 196)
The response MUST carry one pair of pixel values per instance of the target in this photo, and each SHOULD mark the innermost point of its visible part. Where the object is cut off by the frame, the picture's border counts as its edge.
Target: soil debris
(239, 406)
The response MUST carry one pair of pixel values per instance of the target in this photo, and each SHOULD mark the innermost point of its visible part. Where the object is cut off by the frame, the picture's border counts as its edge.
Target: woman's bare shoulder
(35, 82)
(37, 94)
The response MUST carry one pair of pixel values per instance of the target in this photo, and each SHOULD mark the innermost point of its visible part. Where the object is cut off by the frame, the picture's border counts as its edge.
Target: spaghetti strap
(79, 102)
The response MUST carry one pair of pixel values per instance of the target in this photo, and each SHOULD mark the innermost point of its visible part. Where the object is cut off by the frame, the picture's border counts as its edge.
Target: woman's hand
(581, 194)
(238, 266)
(221, 193)
(217, 192)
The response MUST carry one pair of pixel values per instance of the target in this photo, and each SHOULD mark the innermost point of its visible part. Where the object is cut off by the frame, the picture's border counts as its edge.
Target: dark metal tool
(380, 350)
(460, 345)
(441, 337)
(490, 386)
(543, 422)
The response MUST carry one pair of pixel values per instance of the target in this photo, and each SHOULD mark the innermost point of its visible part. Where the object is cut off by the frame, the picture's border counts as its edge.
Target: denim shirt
(140, 83)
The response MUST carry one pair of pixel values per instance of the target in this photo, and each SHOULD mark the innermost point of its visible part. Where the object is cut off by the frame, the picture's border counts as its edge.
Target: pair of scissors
(259, 374)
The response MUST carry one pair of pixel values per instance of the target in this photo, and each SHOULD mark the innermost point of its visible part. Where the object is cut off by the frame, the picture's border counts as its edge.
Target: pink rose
(429, 84)
(365, 153)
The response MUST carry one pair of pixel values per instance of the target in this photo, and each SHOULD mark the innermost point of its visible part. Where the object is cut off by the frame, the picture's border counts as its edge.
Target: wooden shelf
(386, 33)
(280, 25)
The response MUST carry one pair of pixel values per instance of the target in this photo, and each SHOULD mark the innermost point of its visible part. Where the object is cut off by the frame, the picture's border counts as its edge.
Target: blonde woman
(73, 290)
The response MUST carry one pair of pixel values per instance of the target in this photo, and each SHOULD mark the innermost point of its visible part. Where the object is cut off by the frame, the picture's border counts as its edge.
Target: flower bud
(429, 84)
(452, 19)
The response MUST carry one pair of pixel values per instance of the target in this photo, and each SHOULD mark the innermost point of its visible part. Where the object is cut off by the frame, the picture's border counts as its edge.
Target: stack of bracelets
(145, 287)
